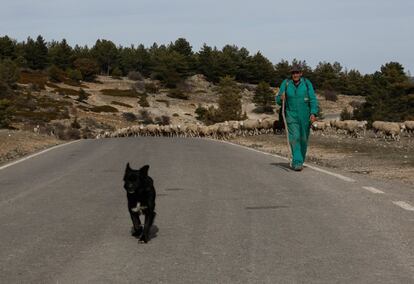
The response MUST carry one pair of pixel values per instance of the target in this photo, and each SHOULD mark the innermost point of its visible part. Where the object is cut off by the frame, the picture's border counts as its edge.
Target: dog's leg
(149, 220)
(136, 222)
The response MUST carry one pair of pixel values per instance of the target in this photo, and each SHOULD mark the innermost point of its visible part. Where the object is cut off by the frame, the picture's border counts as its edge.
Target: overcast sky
(361, 34)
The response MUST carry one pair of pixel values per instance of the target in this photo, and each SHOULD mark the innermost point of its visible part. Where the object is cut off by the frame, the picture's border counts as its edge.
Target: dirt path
(374, 157)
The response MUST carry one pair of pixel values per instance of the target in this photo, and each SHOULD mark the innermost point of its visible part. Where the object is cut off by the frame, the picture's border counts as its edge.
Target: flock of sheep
(222, 130)
(356, 128)
(251, 127)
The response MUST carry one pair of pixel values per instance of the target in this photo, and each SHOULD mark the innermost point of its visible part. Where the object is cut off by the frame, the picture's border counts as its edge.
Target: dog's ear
(128, 167)
(144, 171)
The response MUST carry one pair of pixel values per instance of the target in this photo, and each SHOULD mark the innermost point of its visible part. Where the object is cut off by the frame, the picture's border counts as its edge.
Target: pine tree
(230, 106)
(264, 97)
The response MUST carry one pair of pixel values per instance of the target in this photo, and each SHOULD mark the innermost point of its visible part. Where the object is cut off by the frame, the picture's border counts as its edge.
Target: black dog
(141, 200)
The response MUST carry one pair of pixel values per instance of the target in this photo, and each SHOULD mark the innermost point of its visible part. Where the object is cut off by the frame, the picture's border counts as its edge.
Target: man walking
(301, 106)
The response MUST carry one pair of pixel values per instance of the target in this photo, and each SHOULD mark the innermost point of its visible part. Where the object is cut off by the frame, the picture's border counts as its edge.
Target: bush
(145, 117)
(104, 108)
(201, 113)
(36, 79)
(143, 102)
(82, 95)
(264, 98)
(55, 74)
(151, 88)
(75, 124)
(9, 73)
(135, 76)
(88, 68)
(230, 107)
(120, 93)
(177, 94)
(129, 116)
(116, 73)
(5, 112)
(163, 120)
(330, 95)
(175, 114)
(346, 114)
(74, 75)
(71, 134)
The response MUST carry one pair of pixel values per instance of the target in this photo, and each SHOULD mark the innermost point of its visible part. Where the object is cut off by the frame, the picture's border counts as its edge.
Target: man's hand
(312, 118)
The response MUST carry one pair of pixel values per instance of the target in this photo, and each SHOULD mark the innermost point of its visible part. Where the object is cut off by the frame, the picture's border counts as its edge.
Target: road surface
(226, 214)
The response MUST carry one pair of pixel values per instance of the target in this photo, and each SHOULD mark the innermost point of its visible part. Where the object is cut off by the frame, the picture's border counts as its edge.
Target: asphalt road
(225, 215)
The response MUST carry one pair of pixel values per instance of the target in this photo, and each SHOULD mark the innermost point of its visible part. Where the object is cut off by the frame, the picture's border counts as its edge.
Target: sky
(360, 34)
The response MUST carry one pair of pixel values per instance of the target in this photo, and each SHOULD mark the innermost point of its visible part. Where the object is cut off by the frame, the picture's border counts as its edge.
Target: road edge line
(36, 154)
(342, 177)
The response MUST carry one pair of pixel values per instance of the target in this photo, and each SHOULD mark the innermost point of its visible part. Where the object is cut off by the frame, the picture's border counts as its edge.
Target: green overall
(301, 102)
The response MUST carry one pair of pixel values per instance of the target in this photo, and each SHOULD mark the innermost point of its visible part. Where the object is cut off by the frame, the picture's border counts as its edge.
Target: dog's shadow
(153, 232)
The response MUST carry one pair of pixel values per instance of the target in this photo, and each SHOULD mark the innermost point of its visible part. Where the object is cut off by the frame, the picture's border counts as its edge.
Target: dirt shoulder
(16, 144)
(368, 156)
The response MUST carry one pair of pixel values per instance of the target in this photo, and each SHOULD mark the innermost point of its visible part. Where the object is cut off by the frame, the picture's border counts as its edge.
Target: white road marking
(344, 178)
(404, 205)
(372, 189)
(36, 154)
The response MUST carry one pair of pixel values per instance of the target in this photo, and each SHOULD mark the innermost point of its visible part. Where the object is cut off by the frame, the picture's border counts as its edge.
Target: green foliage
(264, 98)
(60, 54)
(9, 73)
(87, 67)
(229, 102)
(74, 75)
(5, 112)
(116, 73)
(390, 96)
(56, 74)
(106, 54)
(35, 53)
(201, 113)
(7, 48)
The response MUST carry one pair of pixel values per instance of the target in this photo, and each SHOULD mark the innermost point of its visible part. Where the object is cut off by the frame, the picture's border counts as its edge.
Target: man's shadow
(284, 166)
(153, 232)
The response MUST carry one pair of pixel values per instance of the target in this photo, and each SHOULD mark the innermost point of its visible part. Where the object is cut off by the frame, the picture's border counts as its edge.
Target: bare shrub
(143, 102)
(145, 117)
(330, 95)
(163, 120)
(178, 94)
(129, 116)
(135, 76)
(151, 88)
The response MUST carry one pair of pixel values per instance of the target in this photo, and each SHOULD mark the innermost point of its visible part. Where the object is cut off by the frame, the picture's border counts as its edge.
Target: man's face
(296, 75)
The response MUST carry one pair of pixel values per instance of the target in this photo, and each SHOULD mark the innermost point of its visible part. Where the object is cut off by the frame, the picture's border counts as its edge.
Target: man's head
(296, 73)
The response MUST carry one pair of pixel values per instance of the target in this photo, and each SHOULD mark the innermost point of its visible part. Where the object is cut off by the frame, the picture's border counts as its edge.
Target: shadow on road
(283, 166)
(152, 233)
